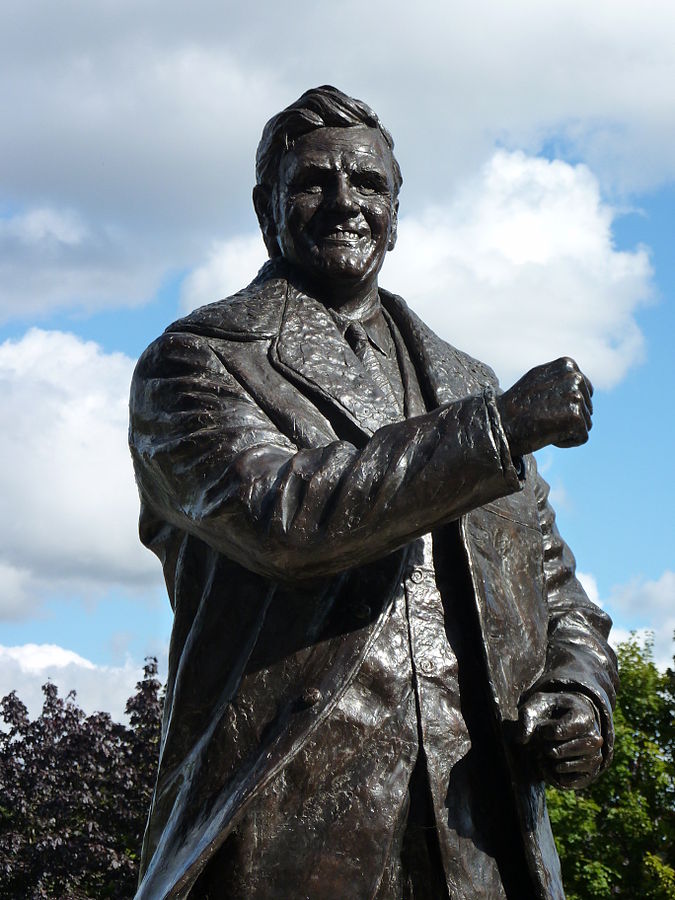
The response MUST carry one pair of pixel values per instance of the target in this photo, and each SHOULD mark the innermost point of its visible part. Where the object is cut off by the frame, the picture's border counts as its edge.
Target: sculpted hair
(319, 107)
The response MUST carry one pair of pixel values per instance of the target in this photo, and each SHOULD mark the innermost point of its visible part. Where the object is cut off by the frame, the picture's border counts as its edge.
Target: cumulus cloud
(42, 225)
(649, 606)
(142, 169)
(518, 268)
(644, 607)
(152, 115)
(229, 266)
(98, 688)
(69, 504)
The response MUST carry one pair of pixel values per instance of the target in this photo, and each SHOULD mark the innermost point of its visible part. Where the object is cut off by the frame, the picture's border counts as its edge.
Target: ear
(262, 201)
(393, 234)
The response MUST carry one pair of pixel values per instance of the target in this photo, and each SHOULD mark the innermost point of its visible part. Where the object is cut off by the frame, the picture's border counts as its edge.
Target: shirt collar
(373, 322)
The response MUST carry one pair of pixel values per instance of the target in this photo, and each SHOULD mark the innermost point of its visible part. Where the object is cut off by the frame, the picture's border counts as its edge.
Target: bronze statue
(380, 651)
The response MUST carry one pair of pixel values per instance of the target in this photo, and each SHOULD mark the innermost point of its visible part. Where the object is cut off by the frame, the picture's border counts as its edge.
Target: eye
(369, 183)
(313, 189)
(308, 183)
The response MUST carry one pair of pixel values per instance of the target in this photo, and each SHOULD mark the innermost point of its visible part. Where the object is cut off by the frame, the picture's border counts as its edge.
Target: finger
(581, 766)
(564, 364)
(533, 712)
(572, 781)
(582, 418)
(589, 745)
(575, 423)
(530, 722)
(575, 440)
(568, 442)
(587, 414)
(566, 728)
(589, 386)
(586, 391)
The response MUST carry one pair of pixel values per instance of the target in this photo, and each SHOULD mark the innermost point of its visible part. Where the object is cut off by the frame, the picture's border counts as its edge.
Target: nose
(344, 197)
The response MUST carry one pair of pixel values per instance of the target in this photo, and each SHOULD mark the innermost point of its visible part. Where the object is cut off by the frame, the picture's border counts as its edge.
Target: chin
(343, 267)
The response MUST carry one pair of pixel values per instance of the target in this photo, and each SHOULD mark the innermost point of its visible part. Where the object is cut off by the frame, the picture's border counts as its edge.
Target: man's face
(334, 208)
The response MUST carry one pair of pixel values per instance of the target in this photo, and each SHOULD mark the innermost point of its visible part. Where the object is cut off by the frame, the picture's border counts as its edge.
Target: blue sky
(537, 218)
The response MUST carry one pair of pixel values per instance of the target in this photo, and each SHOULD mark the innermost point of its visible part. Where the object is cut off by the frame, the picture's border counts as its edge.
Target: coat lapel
(310, 350)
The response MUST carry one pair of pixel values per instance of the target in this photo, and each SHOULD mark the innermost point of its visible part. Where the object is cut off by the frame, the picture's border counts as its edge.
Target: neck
(351, 301)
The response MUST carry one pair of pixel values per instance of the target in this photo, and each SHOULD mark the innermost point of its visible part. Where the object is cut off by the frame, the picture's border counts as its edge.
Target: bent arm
(210, 461)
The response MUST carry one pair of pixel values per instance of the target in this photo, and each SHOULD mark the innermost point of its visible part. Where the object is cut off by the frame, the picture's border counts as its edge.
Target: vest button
(426, 666)
(416, 576)
(311, 696)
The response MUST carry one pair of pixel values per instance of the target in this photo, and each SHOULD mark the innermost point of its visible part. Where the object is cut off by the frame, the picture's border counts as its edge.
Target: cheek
(297, 215)
(379, 217)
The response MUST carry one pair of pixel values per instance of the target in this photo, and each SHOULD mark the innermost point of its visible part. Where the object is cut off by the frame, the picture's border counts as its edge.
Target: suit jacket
(278, 493)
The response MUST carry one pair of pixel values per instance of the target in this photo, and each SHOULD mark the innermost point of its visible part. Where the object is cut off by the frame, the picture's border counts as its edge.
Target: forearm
(315, 512)
(222, 472)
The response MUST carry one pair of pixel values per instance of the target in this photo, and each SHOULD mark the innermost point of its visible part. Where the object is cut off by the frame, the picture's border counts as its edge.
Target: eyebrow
(371, 170)
(322, 167)
(312, 166)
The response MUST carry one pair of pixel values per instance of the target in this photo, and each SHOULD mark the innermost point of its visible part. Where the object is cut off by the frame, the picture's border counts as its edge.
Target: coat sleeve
(579, 657)
(209, 461)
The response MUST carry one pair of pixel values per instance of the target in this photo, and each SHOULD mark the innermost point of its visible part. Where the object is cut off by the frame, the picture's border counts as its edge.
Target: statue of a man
(380, 651)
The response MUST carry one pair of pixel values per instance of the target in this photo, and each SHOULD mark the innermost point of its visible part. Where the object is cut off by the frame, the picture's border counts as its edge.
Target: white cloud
(41, 225)
(144, 120)
(99, 688)
(140, 171)
(642, 607)
(518, 268)
(648, 606)
(69, 503)
(229, 266)
(41, 658)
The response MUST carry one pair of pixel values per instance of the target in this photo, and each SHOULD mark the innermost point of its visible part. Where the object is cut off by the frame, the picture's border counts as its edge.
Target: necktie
(358, 341)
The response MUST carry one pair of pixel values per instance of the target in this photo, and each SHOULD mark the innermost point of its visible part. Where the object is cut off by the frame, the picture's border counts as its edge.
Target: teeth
(343, 236)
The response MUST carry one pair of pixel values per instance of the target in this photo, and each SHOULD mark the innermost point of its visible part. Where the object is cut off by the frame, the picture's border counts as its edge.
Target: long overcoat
(278, 494)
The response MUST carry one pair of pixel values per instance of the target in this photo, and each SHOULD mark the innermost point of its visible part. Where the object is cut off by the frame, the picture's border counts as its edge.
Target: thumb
(533, 713)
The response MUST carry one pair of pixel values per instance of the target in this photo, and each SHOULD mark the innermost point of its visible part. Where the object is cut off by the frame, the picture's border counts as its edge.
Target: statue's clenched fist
(563, 732)
(551, 404)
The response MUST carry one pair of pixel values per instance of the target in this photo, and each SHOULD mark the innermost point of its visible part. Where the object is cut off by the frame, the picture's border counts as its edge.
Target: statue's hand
(551, 404)
(563, 731)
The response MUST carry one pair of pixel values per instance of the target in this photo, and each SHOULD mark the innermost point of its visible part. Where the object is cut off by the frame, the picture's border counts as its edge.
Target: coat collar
(308, 348)
(311, 349)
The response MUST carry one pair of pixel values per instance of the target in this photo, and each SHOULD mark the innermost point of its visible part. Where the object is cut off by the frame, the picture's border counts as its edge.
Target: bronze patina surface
(380, 651)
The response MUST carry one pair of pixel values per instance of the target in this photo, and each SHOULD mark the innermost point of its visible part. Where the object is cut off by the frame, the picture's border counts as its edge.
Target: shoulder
(253, 313)
(187, 345)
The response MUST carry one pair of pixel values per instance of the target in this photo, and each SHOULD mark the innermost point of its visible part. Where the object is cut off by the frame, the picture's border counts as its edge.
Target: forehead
(339, 148)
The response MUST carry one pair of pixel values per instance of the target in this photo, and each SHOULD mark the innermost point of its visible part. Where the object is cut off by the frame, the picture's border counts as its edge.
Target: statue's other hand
(563, 731)
(551, 404)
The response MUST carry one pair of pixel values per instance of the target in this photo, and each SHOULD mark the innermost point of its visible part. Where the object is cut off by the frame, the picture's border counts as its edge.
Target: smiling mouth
(343, 237)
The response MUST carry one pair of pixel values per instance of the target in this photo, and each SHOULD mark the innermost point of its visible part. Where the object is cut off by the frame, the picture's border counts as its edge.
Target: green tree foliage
(75, 790)
(74, 794)
(616, 839)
